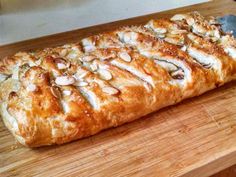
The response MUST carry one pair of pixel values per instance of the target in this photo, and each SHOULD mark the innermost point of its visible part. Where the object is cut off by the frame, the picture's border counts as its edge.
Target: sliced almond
(193, 38)
(66, 46)
(105, 74)
(160, 30)
(55, 91)
(94, 67)
(89, 48)
(178, 31)
(108, 56)
(125, 56)
(110, 90)
(66, 92)
(37, 62)
(61, 66)
(184, 48)
(61, 63)
(31, 88)
(80, 74)
(81, 83)
(176, 41)
(72, 54)
(88, 58)
(190, 21)
(65, 80)
(161, 36)
(63, 52)
(178, 17)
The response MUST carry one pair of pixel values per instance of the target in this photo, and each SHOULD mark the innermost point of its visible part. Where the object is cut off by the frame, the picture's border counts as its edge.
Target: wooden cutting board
(194, 138)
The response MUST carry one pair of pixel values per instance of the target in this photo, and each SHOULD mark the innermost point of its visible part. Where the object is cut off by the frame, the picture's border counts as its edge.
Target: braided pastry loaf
(61, 94)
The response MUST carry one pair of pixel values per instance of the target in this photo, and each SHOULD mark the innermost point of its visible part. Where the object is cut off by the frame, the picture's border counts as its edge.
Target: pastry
(57, 95)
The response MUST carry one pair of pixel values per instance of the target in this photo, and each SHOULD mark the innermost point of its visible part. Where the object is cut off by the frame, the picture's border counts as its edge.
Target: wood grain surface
(195, 138)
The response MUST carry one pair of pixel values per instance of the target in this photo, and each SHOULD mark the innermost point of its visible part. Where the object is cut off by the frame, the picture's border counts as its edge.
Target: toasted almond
(59, 60)
(178, 17)
(37, 62)
(81, 83)
(55, 91)
(75, 48)
(66, 46)
(178, 31)
(193, 38)
(89, 48)
(88, 58)
(80, 74)
(184, 48)
(128, 37)
(160, 30)
(108, 56)
(110, 90)
(66, 92)
(175, 41)
(72, 55)
(63, 52)
(61, 66)
(64, 80)
(105, 74)
(190, 21)
(93, 66)
(161, 36)
(31, 88)
(125, 56)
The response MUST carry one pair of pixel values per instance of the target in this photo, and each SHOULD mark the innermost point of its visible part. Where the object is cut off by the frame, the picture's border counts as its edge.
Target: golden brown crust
(61, 94)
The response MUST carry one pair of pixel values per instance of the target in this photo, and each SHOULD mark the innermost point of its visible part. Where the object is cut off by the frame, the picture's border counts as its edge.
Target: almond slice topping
(88, 58)
(178, 31)
(160, 30)
(80, 74)
(61, 66)
(93, 66)
(161, 36)
(66, 92)
(184, 48)
(125, 56)
(31, 88)
(63, 52)
(65, 80)
(72, 54)
(89, 48)
(81, 84)
(178, 17)
(105, 74)
(61, 63)
(110, 90)
(55, 91)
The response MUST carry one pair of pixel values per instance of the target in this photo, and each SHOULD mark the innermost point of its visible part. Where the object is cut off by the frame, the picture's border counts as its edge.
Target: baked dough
(61, 94)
